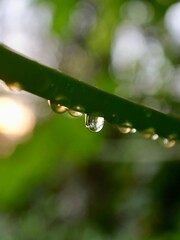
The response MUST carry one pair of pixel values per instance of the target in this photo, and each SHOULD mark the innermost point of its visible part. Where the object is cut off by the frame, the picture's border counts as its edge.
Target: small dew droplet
(56, 107)
(94, 123)
(168, 143)
(155, 136)
(125, 128)
(148, 133)
(15, 87)
(133, 130)
(75, 113)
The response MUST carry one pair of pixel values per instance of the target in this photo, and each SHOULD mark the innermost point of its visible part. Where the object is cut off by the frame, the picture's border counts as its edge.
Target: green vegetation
(78, 96)
(61, 181)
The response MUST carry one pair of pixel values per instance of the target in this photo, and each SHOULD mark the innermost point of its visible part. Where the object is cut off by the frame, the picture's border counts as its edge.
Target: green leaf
(54, 85)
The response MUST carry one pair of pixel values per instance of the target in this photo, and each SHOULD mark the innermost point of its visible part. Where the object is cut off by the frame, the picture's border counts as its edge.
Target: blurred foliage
(66, 183)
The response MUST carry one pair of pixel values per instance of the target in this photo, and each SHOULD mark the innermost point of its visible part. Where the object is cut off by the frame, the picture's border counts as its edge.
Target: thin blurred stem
(57, 87)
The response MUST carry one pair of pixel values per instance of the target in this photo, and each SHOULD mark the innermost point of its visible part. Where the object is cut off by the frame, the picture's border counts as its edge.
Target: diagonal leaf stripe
(58, 87)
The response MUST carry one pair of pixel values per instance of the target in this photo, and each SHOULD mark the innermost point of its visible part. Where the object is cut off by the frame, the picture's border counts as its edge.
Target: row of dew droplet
(95, 123)
(149, 133)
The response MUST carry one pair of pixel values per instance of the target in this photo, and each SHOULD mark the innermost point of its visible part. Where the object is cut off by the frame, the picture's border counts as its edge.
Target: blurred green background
(57, 179)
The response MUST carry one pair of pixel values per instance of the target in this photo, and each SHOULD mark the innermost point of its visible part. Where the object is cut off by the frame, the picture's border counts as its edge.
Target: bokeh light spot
(16, 119)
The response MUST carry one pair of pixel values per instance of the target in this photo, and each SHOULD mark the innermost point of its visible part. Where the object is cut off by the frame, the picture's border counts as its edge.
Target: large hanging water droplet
(94, 123)
(168, 143)
(56, 107)
(74, 113)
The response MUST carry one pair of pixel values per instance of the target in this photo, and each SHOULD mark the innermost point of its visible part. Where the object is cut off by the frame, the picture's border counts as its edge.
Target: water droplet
(148, 133)
(172, 137)
(168, 143)
(133, 130)
(125, 128)
(56, 107)
(15, 87)
(75, 113)
(155, 137)
(94, 123)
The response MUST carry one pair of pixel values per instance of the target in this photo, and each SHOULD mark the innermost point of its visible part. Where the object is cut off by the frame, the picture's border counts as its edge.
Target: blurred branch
(57, 87)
